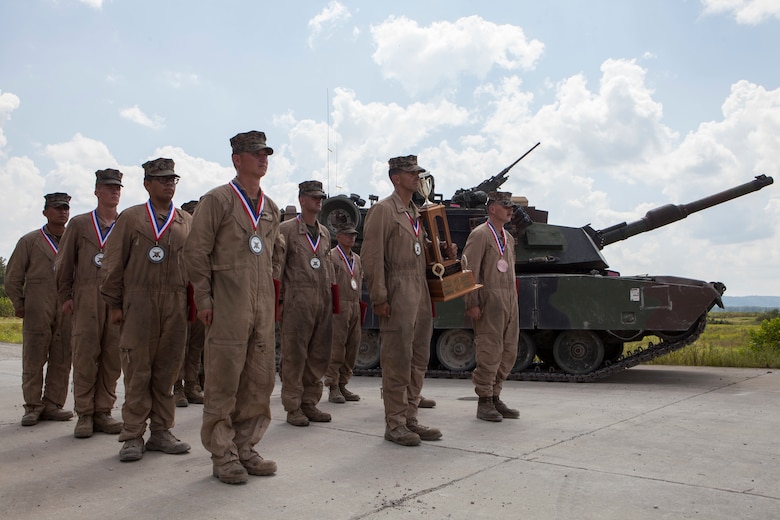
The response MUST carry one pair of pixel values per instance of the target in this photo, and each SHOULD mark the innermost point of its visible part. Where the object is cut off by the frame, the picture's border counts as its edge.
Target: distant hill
(750, 303)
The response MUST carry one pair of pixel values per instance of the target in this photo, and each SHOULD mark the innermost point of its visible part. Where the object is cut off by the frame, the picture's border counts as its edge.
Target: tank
(576, 314)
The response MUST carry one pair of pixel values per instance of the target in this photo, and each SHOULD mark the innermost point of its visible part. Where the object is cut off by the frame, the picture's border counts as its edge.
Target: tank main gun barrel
(670, 213)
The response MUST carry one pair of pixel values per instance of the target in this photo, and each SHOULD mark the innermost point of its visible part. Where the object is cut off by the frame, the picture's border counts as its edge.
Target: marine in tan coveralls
(394, 268)
(95, 341)
(307, 320)
(490, 252)
(346, 324)
(29, 283)
(229, 256)
(145, 287)
(187, 388)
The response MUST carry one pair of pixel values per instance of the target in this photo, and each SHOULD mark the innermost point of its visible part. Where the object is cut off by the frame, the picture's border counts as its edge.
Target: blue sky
(636, 104)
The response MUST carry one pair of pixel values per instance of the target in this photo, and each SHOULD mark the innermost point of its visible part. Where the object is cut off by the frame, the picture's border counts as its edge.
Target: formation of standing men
(128, 282)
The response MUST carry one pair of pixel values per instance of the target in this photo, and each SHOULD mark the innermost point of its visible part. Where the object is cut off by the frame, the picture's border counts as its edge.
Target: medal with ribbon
(156, 253)
(502, 265)
(350, 266)
(255, 242)
(101, 238)
(416, 228)
(315, 261)
(46, 236)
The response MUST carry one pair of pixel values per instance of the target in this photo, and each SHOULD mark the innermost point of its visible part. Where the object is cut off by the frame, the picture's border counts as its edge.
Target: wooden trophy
(446, 278)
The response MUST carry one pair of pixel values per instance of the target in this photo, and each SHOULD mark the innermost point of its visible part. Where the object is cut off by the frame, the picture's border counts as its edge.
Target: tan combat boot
(258, 466)
(402, 435)
(314, 414)
(504, 410)
(297, 418)
(349, 396)
(164, 441)
(335, 395)
(30, 418)
(84, 427)
(426, 403)
(231, 472)
(132, 450)
(487, 411)
(425, 433)
(52, 412)
(193, 392)
(103, 422)
(178, 395)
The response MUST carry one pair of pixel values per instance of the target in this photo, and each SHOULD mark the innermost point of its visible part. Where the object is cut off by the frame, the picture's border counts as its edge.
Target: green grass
(724, 343)
(10, 330)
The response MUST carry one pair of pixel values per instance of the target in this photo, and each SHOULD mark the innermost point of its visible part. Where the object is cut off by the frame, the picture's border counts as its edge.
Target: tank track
(544, 372)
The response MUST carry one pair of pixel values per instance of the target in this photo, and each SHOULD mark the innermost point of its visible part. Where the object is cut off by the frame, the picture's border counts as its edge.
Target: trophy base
(453, 286)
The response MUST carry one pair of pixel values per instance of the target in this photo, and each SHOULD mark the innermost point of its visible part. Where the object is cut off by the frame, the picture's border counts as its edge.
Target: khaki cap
(57, 199)
(406, 163)
(108, 176)
(502, 198)
(159, 168)
(252, 141)
(311, 189)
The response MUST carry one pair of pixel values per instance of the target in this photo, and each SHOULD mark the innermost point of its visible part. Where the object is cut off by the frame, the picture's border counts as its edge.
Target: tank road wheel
(368, 351)
(456, 351)
(578, 351)
(612, 350)
(526, 352)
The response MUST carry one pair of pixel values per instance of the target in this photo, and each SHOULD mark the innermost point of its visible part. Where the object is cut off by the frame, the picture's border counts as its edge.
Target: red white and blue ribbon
(314, 245)
(415, 224)
(159, 230)
(99, 232)
(254, 218)
(350, 265)
(49, 240)
(501, 245)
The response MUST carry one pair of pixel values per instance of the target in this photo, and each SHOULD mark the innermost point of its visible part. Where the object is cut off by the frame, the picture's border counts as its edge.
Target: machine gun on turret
(477, 196)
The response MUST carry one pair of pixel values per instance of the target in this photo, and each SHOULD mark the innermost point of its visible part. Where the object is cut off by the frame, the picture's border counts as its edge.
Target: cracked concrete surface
(651, 442)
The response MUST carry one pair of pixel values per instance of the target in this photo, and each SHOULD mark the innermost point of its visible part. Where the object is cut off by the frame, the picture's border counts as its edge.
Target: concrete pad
(652, 442)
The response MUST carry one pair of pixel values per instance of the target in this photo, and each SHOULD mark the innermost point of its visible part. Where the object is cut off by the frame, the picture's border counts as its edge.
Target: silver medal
(353, 283)
(417, 249)
(98, 259)
(502, 265)
(256, 244)
(156, 254)
(315, 263)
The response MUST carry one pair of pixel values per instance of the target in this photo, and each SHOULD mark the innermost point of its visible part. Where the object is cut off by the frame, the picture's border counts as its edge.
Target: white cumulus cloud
(327, 21)
(136, 115)
(749, 12)
(8, 103)
(421, 58)
(95, 4)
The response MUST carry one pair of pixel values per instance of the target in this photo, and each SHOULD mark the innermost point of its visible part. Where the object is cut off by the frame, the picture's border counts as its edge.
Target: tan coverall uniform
(346, 324)
(29, 283)
(95, 341)
(396, 274)
(496, 333)
(307, 324)
(153, 298)
(239, 351)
